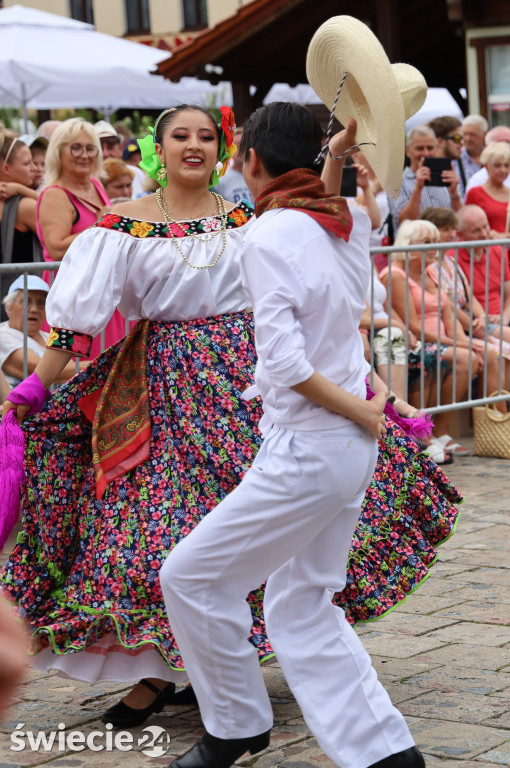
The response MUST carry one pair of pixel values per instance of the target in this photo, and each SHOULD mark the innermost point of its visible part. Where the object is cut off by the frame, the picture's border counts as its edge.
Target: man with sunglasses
(449, 135)
(111, 142)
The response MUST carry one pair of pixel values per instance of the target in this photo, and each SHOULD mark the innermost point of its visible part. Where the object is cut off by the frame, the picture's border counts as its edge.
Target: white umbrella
(439, 101)
(49, 61)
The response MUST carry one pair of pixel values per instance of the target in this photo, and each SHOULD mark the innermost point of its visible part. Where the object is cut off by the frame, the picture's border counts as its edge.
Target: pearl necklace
(220, 202)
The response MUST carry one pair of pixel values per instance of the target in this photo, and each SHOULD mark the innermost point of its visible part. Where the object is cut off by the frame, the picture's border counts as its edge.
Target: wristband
(30, 392)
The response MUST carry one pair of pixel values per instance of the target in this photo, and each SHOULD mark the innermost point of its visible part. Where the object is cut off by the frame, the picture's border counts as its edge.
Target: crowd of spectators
(437, 323)
(448, 319)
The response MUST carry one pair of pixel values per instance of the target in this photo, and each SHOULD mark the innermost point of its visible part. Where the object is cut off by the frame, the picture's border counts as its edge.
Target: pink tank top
(430, 301)
(116, 328)
(85, 217)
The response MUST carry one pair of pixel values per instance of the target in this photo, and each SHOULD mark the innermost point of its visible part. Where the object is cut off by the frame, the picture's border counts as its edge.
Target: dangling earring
(161, 174)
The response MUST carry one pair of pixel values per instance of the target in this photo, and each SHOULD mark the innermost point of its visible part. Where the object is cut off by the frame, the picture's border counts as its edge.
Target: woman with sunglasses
(18, 239)
(73, 200)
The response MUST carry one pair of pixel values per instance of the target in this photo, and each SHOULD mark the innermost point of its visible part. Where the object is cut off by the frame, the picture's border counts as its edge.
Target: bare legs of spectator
(461, 360)
(398, 379)
(492, 376)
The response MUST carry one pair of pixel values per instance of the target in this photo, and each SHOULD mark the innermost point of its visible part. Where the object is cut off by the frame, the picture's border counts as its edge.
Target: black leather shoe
(409, 758)
(211, 752)
(123, 716)
(183, 697)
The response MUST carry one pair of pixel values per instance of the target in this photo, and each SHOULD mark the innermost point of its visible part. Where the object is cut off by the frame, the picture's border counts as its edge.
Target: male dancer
(292, 518)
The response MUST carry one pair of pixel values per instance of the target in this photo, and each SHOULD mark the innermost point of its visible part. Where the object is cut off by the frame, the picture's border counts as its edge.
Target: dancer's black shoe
(211, 752)
(123, 716)
(184, 697)
(409, 758)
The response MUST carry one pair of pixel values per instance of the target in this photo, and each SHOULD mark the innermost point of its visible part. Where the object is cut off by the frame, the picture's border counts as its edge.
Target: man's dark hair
(285, 135)
(444, 126)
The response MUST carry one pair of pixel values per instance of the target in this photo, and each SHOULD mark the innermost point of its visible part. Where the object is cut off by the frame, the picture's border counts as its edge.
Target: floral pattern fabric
(235, 218)
(407, 512)
(430, 358)
(83, 567)
(70, 341)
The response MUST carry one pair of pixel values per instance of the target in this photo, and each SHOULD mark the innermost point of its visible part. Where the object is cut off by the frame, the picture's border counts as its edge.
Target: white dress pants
(291, 519)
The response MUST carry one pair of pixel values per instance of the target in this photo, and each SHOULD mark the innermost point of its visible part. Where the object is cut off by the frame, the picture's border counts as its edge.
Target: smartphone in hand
(437, 165)
(349, 187)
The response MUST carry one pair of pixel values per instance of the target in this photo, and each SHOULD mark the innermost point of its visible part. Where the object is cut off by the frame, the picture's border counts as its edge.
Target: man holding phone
(417, 191)
(450, 141)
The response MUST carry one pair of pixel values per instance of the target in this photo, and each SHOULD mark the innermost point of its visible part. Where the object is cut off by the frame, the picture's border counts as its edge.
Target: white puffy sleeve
(87, 289)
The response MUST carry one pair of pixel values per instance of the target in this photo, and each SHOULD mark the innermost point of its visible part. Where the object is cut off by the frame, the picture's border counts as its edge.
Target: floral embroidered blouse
(138, 267)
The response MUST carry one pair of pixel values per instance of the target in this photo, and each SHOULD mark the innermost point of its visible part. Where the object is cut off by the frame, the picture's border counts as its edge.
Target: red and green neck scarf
(303, 190)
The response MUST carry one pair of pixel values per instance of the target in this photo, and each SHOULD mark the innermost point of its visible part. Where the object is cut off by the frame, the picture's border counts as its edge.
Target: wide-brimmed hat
(379, 95)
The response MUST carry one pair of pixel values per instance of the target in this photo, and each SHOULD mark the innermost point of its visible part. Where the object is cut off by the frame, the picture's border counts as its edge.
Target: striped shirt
(436, 196)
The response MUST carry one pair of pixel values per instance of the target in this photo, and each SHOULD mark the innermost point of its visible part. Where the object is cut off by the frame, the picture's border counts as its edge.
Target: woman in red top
(73, 201)
(494, 195)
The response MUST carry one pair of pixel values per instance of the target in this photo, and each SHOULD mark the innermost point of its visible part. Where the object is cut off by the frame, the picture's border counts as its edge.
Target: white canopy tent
(49, 61)
(439, 101)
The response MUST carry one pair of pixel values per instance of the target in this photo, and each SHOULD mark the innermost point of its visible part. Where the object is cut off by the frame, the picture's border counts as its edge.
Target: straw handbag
(492, 430)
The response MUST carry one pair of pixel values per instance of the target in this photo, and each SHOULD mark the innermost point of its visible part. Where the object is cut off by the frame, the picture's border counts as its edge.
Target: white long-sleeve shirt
(139, 269)
(307, 288)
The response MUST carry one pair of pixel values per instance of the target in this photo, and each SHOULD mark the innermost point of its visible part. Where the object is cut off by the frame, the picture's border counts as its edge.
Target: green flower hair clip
(151, 163)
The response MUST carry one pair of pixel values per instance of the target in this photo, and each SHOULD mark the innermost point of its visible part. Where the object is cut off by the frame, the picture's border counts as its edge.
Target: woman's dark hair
(285, 135)
(441, 217)
(169, 117)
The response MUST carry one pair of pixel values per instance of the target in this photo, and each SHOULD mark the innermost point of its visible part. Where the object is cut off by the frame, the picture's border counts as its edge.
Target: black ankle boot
(409, 758)
(211, 752)
(123, 716)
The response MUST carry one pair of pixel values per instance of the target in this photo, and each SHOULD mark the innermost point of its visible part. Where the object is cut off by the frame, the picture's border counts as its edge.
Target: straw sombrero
(379, 95)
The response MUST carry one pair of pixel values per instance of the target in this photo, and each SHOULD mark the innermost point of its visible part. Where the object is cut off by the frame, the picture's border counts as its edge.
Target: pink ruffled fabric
(12, 474)
(419, 428)
(30, 392)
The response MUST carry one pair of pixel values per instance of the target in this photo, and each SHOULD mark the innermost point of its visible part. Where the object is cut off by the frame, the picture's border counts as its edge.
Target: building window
(194, 13)
(138, 16)
(498, 84)
(488, 59)
(82, 10)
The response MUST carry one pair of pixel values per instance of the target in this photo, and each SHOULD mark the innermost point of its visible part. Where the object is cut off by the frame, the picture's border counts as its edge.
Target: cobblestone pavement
(444, 656)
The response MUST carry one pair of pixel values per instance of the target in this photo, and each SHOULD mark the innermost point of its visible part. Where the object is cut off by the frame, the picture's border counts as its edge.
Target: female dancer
(117, 507)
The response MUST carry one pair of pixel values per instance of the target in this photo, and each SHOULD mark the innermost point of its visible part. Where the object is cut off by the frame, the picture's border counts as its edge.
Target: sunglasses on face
(77, 150)
(457, 138)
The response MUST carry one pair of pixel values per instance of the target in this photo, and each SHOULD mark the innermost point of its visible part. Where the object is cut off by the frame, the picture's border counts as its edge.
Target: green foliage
(138, 125)
(8, 114)
(213, 101)
(86, 114)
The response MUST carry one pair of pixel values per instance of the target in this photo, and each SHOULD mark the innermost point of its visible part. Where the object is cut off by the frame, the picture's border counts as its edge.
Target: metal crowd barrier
(38, 268)
(482, 394)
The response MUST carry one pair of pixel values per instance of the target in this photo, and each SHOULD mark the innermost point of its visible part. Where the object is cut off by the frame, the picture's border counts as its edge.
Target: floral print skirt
(432, 353)
(84, 569)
